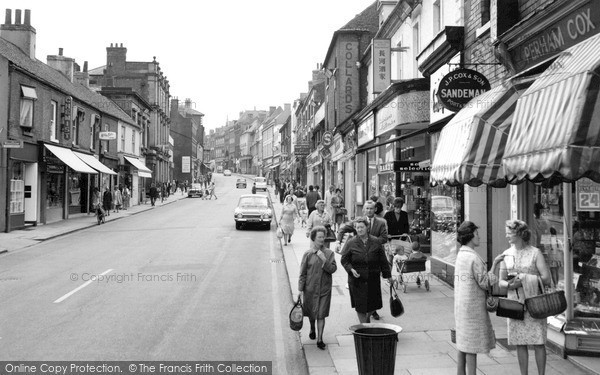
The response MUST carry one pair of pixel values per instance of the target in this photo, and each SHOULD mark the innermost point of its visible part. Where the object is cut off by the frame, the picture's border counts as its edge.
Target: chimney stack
(116, 58)
(82, 78)
(188, 103)
(21, 35)
(63, 64)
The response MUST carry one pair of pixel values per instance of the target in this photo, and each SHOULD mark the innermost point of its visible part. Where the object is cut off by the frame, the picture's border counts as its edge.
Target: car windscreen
(253, 202)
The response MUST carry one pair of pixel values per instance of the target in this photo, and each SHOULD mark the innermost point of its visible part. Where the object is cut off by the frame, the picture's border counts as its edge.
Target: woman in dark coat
(364, 259)
(107, 200)
(315, 282)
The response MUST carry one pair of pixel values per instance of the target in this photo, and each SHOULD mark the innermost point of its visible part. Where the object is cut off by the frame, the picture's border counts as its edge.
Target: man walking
(153, 194)
(377, 227)
(311, 199)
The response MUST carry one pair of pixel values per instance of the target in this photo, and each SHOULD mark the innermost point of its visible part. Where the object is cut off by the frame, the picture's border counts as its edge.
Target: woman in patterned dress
(521, 261)
(474, 332)
(286, 220)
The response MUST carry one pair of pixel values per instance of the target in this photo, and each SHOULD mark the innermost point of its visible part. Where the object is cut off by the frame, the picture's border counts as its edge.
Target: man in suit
(377, 227)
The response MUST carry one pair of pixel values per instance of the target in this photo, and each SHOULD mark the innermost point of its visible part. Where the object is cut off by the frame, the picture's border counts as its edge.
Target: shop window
(28, 97)
(78, 118)
(54, 190)
(94, 128)
(445, 214)
(17, 189)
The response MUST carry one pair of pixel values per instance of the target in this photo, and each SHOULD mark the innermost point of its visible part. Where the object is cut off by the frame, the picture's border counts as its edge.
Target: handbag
(491, 301)
(279, 232)
(546, 304)
(510, 308)
(296, 315)
(330, 236)
(396, 307)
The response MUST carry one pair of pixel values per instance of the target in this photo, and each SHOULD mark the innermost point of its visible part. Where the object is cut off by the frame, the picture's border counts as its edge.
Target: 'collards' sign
(459, 86)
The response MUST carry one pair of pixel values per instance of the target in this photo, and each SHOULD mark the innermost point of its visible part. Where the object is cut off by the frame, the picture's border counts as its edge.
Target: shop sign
(410, 166)
(347, 77)
(313, 159)
(587, 194)
(338, 147)
(301, 149)
(386, 118)
(366, 131)
(576, 26)
(386, 167)
(106, 136)
(327, 139)
(459, 86)
(437, 111)
(381, 64)
(12, 143)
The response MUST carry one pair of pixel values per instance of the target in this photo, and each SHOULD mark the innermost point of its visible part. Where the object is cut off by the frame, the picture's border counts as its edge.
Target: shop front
(314, 168)
(66, 179)
(554, 148)
(23, 187)
(138, 180)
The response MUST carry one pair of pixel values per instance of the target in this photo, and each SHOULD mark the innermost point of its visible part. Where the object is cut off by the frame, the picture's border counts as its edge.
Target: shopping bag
(279, 232)
(396, 307)
(546, 304)
(510, 308)
(296, 315)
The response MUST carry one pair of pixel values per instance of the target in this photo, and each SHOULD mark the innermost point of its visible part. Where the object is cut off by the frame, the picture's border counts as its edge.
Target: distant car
(219, 169)
(240, 183)
(445, 213)
(260, 183)
(226, 172)
(195, 191)
(253, 209)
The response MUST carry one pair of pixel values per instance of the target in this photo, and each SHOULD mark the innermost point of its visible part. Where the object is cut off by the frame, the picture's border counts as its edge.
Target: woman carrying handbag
(315, 283)
(522, 266)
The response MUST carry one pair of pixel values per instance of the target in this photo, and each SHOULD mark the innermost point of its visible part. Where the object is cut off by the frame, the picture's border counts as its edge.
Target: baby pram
(407, 263)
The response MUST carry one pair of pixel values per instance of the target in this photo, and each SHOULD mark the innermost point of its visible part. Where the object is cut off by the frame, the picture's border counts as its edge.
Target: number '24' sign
(587, 193)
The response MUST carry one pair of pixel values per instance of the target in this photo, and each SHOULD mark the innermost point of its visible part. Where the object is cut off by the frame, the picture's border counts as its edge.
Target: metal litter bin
(375, 345)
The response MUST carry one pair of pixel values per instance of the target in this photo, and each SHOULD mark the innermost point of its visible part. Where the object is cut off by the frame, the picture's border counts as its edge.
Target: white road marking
(80, 287)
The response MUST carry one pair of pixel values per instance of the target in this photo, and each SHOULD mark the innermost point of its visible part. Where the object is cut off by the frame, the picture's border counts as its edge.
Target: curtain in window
(26, 113)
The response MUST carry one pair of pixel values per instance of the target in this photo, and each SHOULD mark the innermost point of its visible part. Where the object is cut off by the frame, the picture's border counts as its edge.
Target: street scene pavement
(424, 345)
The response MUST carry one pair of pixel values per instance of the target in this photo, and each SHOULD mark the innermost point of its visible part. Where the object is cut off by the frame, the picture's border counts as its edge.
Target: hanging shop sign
(327, 139)
(459, 86)
(587, 193)
(404, 166)
(366, 131)
(185, 164)
(325, 153)
(301, 149)
(12, 143)
(381, 64)
(107, 136)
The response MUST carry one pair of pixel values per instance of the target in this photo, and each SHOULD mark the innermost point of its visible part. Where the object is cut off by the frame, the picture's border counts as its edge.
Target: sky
(225, 55)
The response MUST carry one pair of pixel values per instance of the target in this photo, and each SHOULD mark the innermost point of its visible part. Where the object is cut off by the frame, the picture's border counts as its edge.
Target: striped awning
(471, 145)
(556, 132)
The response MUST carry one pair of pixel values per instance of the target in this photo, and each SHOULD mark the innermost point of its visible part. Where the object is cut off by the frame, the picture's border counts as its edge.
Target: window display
(445, 214)
(54, 190)
(17, 189)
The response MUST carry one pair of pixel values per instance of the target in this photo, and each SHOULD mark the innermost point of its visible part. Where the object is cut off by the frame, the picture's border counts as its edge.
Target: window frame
(54, 130)
(29, 96)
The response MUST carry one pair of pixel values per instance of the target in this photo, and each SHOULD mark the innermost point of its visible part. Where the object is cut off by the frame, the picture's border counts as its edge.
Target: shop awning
(472, 144)
(94, 163)
(557, 120)
(69, 158)
(143, 171)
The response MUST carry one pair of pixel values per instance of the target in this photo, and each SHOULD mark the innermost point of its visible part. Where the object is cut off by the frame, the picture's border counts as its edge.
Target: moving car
(253, 209)
(240, 183)
(260, 183)
(195, 191)
(226, 172)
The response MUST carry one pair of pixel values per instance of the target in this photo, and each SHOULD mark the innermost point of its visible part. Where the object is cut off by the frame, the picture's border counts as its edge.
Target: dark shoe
(321, 345)
(290, 239)
(375, 315)
(312, 335)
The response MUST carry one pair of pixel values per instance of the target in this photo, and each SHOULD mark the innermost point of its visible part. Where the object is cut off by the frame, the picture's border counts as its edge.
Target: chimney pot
(27, 17)
(17, 16)
(8, 17)
(121, 45)
(60, 51)
(111, 44)
(85, 66)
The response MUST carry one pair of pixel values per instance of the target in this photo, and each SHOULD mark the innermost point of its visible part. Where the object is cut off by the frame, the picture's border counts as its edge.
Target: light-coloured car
(226, 172)
(260, 183)
(253, 209)
(241, 183)
(195, 191)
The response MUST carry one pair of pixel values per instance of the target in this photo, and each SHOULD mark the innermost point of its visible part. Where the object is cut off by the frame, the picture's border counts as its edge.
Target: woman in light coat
(474, 332)
(315, 283)
(117, 199)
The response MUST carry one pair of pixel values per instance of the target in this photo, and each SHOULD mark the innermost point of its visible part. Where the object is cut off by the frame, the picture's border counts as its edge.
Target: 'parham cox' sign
(459, 86)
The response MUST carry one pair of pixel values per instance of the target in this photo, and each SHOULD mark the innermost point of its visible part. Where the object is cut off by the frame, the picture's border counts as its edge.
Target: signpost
(107, 136)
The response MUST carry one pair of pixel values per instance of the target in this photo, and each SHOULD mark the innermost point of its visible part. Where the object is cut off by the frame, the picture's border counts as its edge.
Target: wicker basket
(546, 304)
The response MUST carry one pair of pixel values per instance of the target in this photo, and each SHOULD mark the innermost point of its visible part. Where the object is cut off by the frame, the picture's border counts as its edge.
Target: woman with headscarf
(289, 211)
(315, 283)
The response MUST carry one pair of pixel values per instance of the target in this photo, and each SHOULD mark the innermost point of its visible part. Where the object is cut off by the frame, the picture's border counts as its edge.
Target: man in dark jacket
(311, 199)
(153, 193)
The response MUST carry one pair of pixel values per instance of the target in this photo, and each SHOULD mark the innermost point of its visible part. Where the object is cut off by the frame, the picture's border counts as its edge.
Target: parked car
(240, 183)
(253, 209)
(260, 183)
(195, 191)
(226, 172)
(445, 213)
